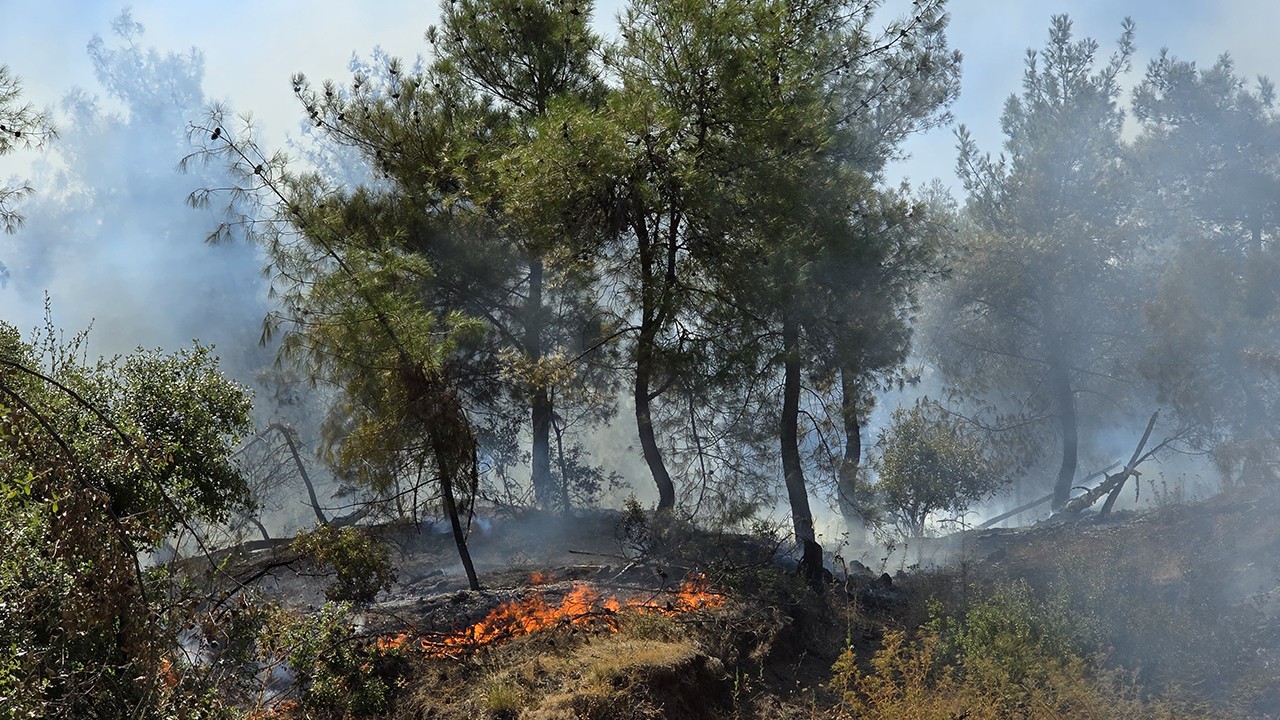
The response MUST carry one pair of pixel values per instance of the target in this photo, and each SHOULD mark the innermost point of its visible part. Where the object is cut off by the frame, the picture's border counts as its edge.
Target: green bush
(1008, 656)
(928, 463)
(1012, 639)
(99, 462)
(362, 563)
(334, 676)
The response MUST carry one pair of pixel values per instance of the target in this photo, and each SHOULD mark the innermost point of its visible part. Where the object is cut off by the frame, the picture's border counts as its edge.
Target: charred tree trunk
(847, 489)
(1064, 397)
(544, 489)
(789, 433)
(1114, 483)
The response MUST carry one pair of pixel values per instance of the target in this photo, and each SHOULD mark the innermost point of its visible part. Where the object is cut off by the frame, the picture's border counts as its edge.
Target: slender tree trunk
(286, 432)
(811, 562)
(544, 490)
(453, 443)
(847, 489)
(455, 522)
(1258, 302)
(1065, 399)
(644, 425)
(653, 312)
(793, 471)
(565, 502)
(544, 485)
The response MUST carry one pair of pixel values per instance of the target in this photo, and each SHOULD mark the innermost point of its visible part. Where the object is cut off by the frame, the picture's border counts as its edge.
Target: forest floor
(601, 616)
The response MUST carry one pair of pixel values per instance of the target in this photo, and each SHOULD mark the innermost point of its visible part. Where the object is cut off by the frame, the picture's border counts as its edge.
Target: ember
(582, 606)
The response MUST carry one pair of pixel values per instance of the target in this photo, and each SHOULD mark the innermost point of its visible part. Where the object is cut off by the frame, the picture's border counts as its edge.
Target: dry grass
(559, 675)
(908, 680)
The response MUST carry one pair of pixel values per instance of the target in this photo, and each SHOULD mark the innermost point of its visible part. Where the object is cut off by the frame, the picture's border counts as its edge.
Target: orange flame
(582, 606)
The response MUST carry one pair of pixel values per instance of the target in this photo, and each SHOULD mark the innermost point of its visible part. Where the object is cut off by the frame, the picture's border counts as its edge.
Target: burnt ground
(1184, 599)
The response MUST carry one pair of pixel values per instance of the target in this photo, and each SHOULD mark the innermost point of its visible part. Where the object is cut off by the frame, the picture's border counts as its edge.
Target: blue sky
(251, 47)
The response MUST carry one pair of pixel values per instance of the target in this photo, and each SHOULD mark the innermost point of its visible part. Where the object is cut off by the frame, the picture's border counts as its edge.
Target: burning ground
(1168, 613)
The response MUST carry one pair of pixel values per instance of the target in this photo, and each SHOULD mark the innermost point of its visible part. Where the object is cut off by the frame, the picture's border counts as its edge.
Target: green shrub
(1012, 639)
(1008, 655)
(928, 464)
(362, 563)
(98, 463)
(334, 676)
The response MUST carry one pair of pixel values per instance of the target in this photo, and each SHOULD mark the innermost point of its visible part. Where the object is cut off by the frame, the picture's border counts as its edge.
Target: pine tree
(1041, 295)
(21, 126)
(1207, 157)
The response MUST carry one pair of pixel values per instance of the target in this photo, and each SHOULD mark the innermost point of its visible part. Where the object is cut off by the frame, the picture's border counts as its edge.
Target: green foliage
(1007, 655)
(759, 242)
(453, 268)
(98, 463)
(1033, 330)
(21, 126)
(334, 676)
(1012, 639)
(930, 463)
(909, 679)
(634, 534)
(1208, 152)
(361, 561)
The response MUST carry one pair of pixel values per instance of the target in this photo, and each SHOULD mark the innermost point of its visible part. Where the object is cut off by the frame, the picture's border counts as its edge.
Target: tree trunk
(846, 490)
(811, 565)
(653, 312)
(565, 502)
(287, 433)
(644, 425)
(544, 490)
(1258, 302)
(1112, 485)
(1065, 398)
(453, 443)
(455, 522)
(793, 472)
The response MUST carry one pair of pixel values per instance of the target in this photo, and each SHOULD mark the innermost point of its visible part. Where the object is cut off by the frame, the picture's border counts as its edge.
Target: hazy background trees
(1206, 160)
(1043, 304)
(695, 210)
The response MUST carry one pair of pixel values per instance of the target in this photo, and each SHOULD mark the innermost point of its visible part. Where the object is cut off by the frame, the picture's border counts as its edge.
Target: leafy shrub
(1007, 657)
(928, 464)
(333, 676)
(99, 462)
(634, 535)
(362, 562)
(1013, 645)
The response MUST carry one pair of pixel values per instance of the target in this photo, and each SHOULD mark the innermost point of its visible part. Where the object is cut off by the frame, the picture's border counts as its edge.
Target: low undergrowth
(1131, 621)
(1009, 655)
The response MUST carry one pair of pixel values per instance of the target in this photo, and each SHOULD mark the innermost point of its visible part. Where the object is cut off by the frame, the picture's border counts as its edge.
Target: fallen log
(1037, 502)
(1112, 485)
